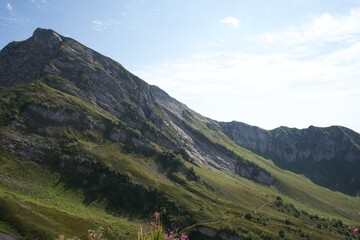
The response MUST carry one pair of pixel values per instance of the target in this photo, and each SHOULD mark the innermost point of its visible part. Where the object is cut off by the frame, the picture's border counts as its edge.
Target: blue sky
(267, 63)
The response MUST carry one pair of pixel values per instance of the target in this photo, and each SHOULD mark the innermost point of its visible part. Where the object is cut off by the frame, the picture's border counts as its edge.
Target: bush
(265, 236)
(281, 233)
(248, 216)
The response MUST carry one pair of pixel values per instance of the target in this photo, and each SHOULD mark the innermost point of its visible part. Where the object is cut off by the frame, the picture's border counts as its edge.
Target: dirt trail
(225, 218)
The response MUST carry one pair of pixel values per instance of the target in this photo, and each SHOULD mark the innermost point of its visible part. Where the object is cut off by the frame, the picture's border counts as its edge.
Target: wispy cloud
(100, 25)
(9, 7)
(324, 28)
(39, 1)
(42, 4)
(230, 21)
(12, 19)
(264, 88)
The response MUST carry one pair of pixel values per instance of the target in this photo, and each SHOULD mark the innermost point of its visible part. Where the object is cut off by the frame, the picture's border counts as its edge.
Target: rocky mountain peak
(47, 37)
(23, 61)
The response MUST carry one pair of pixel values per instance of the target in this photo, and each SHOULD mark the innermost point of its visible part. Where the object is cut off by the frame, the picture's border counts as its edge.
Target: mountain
(85, 143)
(328, 156)
(70, 67)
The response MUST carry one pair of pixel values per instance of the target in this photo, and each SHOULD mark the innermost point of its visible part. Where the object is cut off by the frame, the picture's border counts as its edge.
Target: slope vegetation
(84, 144)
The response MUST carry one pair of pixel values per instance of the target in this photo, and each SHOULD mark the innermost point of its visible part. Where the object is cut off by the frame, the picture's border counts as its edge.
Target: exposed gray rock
(31, 56)
(228, 236)
(251, 171)
(213, 233)
(290, 144)
(208, 231)
(63, 117)
(143, 144)
(299, 149)
(31, 147)
(4, 236)
(118, 135)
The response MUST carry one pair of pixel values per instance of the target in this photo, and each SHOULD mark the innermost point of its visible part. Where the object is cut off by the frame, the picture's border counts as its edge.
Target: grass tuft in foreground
(157, 232)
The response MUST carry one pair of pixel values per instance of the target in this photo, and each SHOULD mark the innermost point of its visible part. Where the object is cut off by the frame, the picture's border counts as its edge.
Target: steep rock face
(314, 151)
(253, 172)
(290, 144)
(64, 65)
(31, 62)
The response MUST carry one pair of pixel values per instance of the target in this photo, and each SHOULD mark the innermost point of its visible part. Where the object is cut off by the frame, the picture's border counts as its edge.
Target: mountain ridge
(292, 147)
(102, 142)
(105, 88)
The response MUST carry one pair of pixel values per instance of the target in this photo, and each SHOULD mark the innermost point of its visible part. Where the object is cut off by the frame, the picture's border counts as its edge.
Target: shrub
(305, 212)
(281, 233)
(265, 236)
(248, 216)
(278, 203)
(296, 214)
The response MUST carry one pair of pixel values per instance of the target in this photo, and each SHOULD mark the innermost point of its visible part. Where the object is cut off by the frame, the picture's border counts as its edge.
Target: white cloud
(9, 7)
(41, 4)
(295, 84)
(9, 21)
(100, 25)
(267, 90)
(39, 1)
(230, 21)
(324, 28)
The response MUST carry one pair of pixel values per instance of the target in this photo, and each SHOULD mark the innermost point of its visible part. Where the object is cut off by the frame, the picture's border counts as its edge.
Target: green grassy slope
(35, 204)
(92, 182)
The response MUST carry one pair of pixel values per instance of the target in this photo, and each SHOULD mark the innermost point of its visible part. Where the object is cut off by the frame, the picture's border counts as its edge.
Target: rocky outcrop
(212, 233)
(251, 171)
(30, 147)
(4, 236)
(60, 116)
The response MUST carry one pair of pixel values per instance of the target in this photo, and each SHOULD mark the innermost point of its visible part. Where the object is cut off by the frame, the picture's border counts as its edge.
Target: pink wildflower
(354, 230)
(184, 236)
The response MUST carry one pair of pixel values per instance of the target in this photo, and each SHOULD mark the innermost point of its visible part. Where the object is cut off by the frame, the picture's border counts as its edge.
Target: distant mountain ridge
(329, 156)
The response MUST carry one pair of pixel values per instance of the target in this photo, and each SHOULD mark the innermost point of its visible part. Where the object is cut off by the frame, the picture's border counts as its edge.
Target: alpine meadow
(86, 144)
